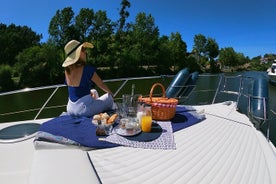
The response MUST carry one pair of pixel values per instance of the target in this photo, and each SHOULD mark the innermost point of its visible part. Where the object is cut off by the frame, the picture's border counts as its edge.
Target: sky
(248, 26)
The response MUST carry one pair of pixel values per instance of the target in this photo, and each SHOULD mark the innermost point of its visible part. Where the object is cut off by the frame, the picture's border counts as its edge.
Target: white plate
(123, 132)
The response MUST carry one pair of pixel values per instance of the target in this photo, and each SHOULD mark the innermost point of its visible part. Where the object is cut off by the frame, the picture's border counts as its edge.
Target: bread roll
(112, 119)
(104, 115)
(97, 117)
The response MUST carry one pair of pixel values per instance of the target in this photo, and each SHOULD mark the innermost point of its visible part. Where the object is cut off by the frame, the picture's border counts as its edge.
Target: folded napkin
(71, 130)
(185, 116)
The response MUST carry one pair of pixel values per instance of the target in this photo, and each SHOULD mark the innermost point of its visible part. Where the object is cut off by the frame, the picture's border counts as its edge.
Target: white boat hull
(271, 72)
(272, 78)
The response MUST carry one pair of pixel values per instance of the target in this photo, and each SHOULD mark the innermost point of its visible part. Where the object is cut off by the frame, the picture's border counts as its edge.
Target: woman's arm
(99, 82)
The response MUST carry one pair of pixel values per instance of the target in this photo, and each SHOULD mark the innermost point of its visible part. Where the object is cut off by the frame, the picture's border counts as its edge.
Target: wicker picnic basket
(162, 108)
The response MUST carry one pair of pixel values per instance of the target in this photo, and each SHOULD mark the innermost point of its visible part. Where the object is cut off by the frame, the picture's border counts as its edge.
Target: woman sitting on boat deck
(80, 79)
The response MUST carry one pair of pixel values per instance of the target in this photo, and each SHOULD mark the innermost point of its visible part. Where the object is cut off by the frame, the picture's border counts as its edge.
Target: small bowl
(104, 129)
(123, 123)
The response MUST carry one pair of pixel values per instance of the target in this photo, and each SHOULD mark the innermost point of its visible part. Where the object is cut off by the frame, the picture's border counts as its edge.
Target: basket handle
(154, 86)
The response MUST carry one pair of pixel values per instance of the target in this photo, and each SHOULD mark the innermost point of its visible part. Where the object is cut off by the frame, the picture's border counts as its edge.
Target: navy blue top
(86, 84)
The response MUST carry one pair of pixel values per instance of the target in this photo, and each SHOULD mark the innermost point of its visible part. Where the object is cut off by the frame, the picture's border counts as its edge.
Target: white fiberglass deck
(21, 163)
(223, 148)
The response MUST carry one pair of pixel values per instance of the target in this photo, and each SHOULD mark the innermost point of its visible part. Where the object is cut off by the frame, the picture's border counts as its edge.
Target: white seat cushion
(58, 166)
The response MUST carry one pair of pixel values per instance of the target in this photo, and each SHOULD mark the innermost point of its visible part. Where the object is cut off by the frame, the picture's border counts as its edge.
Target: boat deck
(223, 148)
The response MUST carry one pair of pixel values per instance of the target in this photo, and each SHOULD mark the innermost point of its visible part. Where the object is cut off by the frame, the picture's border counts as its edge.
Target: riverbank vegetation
(122, 49)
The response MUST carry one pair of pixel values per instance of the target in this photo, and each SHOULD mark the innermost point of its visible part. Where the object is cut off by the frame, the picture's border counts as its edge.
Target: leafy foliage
(122, 49)
(228, 56)
(6, 82)
(13, 40)
(39, 66)
(61, 28)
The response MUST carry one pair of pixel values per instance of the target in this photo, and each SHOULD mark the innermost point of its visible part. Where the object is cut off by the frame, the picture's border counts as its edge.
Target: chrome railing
(221, 87)
(56, 88)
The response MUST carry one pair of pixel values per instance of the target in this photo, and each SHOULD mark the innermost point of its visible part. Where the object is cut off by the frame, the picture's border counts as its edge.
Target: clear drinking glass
(131, 101)
(121, 110)
(146, 120)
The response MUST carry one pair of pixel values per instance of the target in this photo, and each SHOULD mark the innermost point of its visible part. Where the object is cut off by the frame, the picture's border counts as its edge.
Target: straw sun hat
(73, 50)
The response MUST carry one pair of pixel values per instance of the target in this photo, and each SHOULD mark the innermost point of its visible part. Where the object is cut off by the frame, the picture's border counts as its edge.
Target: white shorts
(88, 106)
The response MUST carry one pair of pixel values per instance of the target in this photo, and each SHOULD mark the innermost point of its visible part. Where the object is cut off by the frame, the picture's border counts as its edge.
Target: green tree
(212, 48)
(199, 50)
(228, 57)
(121, 33)
(212, 51)
(61, 28)
(164, 56)
(39, 66)
(101, 36)
(6, 82)
(143, 40)
(83, 23)
(205, 49)
(178, 50)
(200, 43)
(124, 14)
(192, 64)
(13, 40)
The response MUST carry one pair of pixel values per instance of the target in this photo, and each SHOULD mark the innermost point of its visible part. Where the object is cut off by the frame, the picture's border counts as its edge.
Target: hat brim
(74, 57)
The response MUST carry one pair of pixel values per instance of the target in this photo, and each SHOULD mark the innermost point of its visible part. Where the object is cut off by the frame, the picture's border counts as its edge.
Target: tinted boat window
(18, 131)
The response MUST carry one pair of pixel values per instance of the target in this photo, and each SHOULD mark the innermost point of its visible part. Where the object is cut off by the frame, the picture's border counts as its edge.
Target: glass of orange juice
(146, 122)
(146, 119)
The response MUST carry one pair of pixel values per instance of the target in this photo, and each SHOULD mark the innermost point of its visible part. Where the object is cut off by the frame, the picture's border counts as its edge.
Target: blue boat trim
(182, 84)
